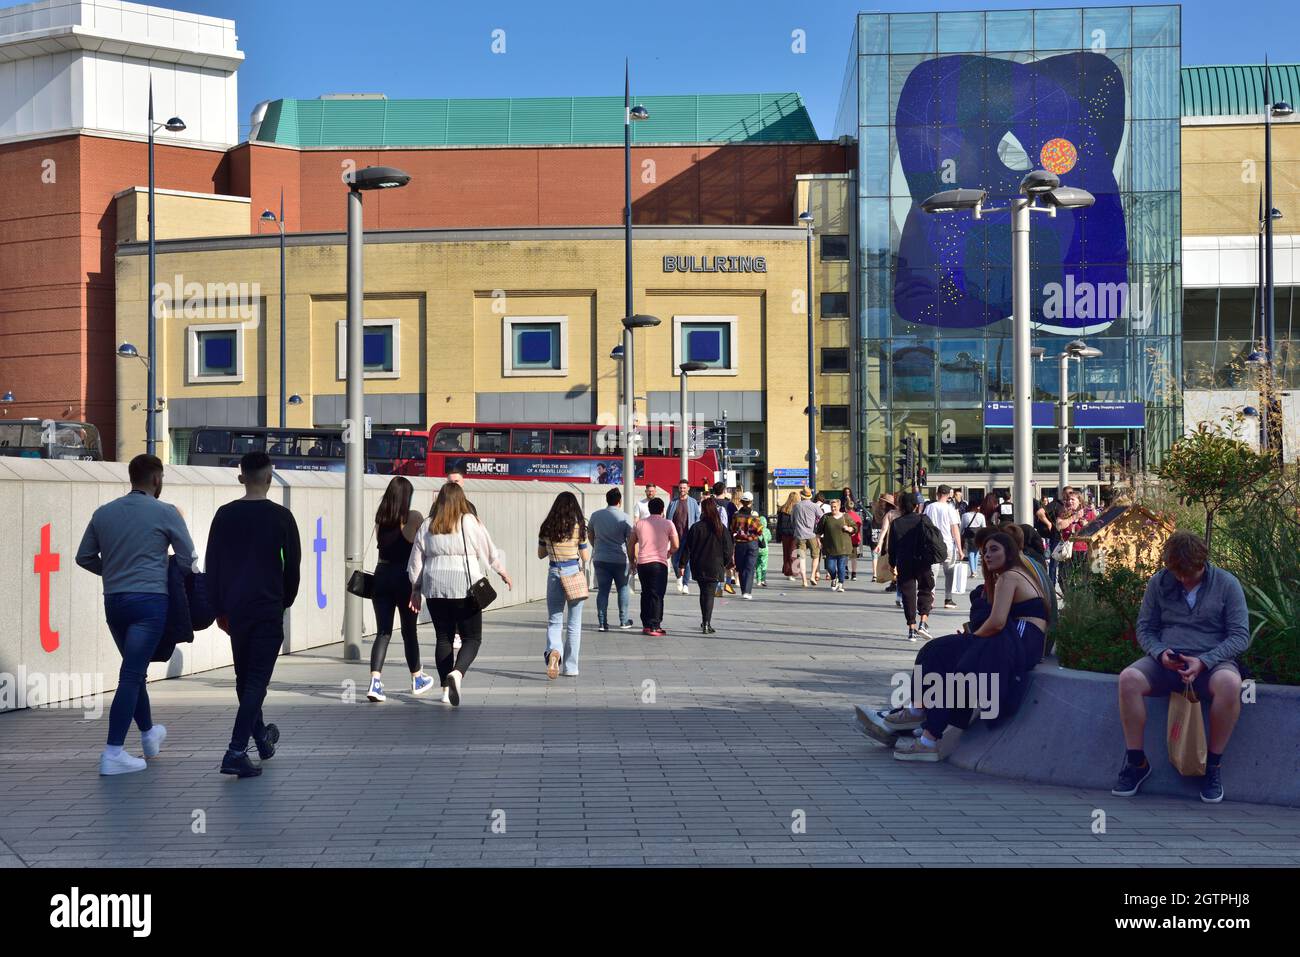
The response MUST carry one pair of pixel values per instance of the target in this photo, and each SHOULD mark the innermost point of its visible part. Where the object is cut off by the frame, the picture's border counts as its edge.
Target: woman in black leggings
(395, 526)
(711, 552)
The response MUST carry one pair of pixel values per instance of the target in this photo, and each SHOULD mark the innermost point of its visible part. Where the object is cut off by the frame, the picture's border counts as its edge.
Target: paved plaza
(737, 749)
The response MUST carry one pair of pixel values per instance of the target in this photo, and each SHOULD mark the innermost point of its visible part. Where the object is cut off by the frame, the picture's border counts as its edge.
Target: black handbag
(362, 582)
(480, 593)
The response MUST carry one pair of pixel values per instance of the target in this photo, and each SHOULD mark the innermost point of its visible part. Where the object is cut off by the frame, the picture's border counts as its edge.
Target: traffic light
(905, 464)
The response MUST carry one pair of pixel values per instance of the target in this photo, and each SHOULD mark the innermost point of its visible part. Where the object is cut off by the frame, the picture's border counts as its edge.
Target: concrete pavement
(736, 749)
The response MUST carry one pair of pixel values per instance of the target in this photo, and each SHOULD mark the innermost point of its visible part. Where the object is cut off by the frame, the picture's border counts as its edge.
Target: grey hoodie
(1216, 629)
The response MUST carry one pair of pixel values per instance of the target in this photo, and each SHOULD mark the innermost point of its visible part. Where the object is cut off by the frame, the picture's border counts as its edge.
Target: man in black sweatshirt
(252, 565)
(915, 573)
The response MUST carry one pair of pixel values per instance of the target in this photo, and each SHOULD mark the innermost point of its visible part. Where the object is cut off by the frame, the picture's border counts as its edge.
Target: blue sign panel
(1108, 415)
(789, 473)
(1083, 415)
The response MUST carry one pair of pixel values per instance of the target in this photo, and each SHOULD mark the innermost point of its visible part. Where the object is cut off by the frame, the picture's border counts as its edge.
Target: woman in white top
(451, 551)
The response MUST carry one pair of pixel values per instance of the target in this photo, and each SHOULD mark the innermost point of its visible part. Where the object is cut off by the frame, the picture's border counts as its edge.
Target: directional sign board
(790, 473)
(788, 481)
(745, 453)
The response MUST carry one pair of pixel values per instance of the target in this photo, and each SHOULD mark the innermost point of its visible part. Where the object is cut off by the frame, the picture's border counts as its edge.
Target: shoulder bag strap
(469, 578)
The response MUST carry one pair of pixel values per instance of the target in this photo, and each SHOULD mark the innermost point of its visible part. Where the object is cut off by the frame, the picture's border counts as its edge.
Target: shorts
(1163, 681)
(811, 545)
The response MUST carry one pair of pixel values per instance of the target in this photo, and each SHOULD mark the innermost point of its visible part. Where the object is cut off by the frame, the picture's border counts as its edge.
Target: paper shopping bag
(1186, 734)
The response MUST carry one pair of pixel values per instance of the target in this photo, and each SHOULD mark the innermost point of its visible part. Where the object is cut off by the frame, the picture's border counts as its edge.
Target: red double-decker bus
(560, 452)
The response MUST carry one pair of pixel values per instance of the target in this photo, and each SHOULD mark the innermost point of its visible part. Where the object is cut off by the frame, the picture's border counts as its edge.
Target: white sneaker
(446, 696)
(681, 589)
(453, 688)
(152, 740)
(686, 589)
(120, 763)
(747, 597)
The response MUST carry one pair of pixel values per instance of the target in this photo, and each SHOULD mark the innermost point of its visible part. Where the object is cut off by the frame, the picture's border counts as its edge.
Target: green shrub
(1093, 633)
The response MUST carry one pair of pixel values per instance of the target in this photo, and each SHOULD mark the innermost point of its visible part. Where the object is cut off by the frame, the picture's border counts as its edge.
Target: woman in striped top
(563, 539)
(451, 551)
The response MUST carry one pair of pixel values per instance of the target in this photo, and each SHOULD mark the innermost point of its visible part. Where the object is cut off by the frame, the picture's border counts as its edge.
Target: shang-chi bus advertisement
(597, 471)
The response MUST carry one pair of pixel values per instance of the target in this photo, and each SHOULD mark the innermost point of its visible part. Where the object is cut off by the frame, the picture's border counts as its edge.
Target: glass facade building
(937, 101)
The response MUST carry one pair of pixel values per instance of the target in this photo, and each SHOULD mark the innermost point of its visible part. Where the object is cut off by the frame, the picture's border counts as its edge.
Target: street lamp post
(1278, 109)
(372, 177)
(1077, 350)
(630, 113)
(173, 125)
(270, 217)
(806, 218)
(684, 438)
(1036, 184)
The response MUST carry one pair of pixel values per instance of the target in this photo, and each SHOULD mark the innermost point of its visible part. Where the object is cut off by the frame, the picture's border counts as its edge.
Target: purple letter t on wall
(319, 544)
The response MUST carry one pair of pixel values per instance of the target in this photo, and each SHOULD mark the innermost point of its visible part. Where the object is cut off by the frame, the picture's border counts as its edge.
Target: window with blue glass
(537, 346)
(377, 349)
(215, 352)
(707, 342)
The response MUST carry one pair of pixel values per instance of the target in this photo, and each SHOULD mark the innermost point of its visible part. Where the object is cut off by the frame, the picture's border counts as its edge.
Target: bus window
(242, 443)
(571, 442)
(11, 435)
(383, 447)
(491, 440)
(414, 449)
(211, 441)
(531, 441)
(453, 440)
(314, 446)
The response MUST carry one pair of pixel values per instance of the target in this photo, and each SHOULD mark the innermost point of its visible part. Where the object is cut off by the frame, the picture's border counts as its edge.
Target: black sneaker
(923, 631)
(603, 627)
(949, 604)
(708, 629)
(1212, 784)
(1131, 778)
(266, 745)
(911, 633)
(240, 764)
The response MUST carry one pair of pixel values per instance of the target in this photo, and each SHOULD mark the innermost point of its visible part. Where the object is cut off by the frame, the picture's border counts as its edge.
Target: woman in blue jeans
(563, 540)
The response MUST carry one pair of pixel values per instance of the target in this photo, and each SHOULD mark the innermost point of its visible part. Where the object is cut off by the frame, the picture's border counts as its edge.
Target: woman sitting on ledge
(989, 661)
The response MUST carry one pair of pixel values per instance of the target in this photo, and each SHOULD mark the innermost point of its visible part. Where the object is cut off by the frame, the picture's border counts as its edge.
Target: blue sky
(433, 48)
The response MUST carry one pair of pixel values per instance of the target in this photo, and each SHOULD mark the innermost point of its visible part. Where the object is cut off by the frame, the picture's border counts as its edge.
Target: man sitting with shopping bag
(1193, 626)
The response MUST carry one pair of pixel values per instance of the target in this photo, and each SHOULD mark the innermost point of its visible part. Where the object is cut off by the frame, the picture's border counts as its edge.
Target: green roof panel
(536, 121)
(1237, 90)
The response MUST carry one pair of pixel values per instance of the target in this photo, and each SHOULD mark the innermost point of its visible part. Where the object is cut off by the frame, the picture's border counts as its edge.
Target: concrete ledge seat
(1067, 732)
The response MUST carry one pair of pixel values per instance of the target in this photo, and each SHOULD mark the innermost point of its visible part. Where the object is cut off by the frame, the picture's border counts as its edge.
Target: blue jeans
(973, 556)
(837, 567)
(136, 621)
(680, 569)
(607, 574)
(564, 622)
(746, 559)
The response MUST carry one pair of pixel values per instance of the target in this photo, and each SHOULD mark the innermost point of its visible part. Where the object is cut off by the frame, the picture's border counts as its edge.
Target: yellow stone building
(496, 325)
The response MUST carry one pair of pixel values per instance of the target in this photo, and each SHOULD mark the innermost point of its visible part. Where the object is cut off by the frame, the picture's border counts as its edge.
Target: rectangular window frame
(821, 306)
(848, 360)
(396, 325)
(679, 353)
(192, 333)
(848, 418)
(848, 248)
(508, 325)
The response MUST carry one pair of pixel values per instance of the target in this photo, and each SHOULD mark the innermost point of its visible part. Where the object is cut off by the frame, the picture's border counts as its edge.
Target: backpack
(933, 547)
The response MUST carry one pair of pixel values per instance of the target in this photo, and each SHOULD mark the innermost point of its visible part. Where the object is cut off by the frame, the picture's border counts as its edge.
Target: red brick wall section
(57, 242)
(738, 184)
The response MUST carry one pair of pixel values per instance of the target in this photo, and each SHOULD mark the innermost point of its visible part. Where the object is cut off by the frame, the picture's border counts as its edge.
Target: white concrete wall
(1211, 405)
(85, 66)
(34, 493)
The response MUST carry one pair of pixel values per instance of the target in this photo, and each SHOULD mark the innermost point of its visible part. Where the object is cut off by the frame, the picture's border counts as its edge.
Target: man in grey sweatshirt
(1193, 626)
(126, 544)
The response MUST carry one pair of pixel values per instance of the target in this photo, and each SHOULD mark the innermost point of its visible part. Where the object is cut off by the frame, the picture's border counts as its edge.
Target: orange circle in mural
(1058, 156)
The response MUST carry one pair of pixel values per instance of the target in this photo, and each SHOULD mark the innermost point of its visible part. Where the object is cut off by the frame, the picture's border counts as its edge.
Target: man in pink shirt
(650, 546)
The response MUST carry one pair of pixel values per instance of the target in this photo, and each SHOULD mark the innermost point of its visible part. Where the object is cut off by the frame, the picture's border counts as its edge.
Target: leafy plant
(1216, 471)
(1092, 633)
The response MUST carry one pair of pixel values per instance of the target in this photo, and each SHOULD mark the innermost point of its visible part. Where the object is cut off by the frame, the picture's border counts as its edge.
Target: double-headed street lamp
(269, 217)
(806, 218)
(1037, 184)
(684, 437)
(372, 177)
(174, 125)
(1077, 350)
(631, 321)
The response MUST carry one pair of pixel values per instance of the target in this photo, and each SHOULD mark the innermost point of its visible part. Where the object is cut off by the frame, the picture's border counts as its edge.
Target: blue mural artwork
(984, 122)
